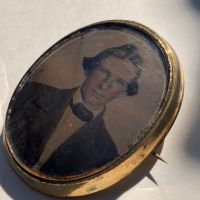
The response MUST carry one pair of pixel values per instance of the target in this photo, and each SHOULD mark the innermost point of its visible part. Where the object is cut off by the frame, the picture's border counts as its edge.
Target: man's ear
(132, 88)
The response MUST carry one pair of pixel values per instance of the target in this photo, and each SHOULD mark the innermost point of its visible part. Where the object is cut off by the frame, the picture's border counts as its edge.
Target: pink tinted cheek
(115, 90)
(95, 78)
(118, 88)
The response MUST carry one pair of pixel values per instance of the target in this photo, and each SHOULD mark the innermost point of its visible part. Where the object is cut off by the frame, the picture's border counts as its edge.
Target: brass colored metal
(111, 174)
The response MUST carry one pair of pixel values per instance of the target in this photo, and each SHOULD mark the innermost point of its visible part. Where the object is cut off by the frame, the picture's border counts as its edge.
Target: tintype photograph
(87, 101)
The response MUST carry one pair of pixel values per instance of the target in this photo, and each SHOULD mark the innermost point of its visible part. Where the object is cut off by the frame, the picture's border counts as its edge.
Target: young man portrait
(61, 132)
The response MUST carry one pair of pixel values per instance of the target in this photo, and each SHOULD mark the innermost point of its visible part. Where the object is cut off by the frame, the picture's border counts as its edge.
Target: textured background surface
(28, 28)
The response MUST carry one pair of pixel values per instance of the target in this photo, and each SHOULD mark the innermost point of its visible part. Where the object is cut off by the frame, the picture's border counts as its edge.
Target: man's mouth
(96, 94)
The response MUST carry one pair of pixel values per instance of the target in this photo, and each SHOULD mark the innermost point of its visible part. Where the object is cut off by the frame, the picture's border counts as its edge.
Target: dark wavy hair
(127, 51)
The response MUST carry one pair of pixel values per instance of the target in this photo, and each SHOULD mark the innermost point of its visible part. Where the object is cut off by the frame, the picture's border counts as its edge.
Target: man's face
(108, 81)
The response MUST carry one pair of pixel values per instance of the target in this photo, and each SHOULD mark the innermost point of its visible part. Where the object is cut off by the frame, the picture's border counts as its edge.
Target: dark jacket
(36, 111)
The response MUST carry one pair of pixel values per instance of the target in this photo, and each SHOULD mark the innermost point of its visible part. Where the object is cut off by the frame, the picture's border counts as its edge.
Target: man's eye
(103, 71)
(121, 82)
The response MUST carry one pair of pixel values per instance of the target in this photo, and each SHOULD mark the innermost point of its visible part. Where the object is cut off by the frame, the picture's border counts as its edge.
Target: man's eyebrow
(105, 70)
(121, 81)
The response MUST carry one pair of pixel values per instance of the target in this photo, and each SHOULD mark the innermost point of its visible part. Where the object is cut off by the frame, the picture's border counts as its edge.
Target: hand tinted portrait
(87, 101)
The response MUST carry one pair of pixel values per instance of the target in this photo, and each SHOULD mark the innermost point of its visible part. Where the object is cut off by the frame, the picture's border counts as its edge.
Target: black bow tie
(81, 112)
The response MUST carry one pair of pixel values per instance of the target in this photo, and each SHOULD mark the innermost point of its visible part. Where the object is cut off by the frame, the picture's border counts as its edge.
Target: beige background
(125, 117)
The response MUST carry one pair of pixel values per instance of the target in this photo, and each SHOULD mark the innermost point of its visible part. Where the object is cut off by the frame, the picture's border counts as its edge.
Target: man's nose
(105, 84)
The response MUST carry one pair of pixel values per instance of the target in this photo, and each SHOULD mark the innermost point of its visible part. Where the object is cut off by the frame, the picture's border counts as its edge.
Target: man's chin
(94, 102)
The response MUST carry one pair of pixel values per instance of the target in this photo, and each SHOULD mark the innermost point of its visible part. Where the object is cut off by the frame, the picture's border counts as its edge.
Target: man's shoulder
(45, 96)
(41, 87)
(48, 97)
(36, 89)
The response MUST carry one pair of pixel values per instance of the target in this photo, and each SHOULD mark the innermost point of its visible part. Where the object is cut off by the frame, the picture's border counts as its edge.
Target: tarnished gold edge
(101, 181)
(110, 165)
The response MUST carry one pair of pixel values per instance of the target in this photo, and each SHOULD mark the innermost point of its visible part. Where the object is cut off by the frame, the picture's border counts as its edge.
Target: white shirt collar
(77, 98)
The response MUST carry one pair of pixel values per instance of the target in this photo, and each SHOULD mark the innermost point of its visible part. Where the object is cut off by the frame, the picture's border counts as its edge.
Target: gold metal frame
(111, 174)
